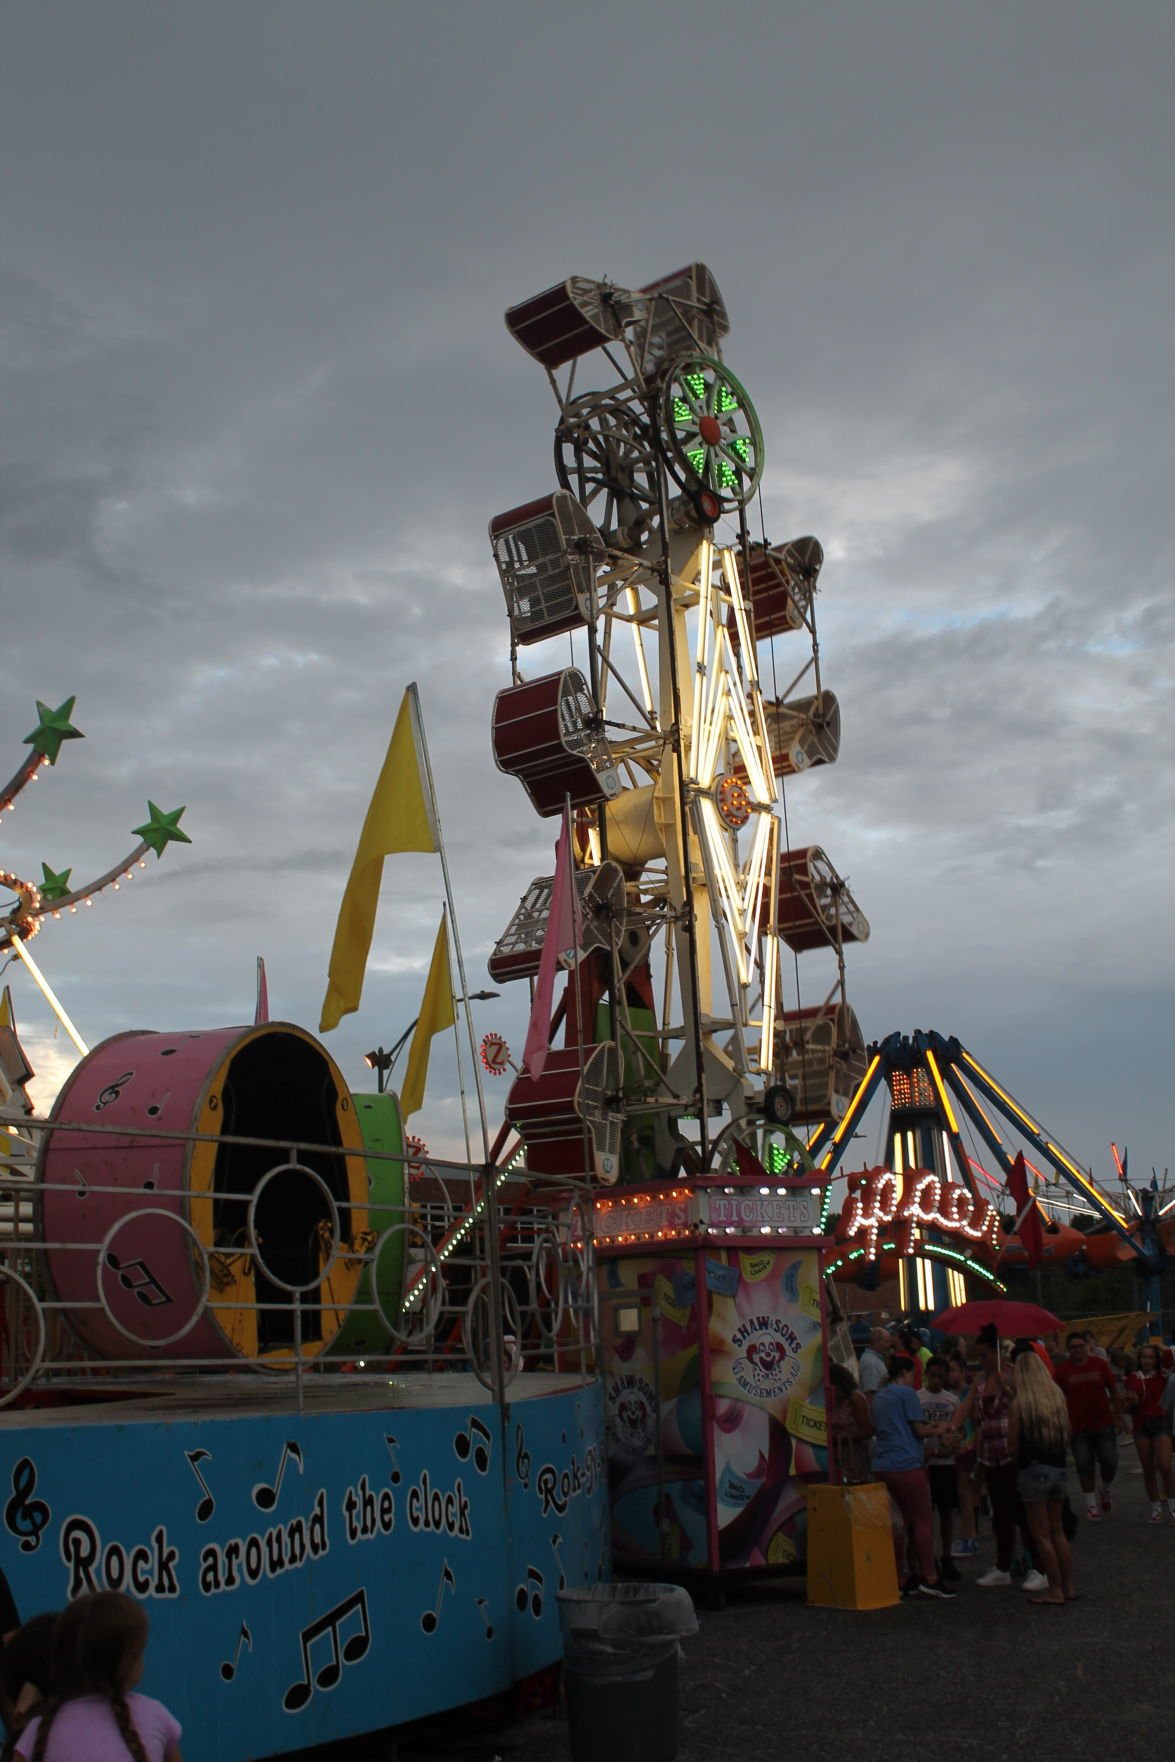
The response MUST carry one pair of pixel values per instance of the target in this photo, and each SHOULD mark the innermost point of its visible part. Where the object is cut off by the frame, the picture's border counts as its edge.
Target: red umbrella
(1010, 1319)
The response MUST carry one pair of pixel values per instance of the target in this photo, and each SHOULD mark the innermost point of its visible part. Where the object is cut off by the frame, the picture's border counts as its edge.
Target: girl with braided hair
(24, 1676)
(98, 1647)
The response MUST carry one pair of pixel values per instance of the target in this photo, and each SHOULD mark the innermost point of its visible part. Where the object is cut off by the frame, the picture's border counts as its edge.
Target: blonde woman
(1038, 1436)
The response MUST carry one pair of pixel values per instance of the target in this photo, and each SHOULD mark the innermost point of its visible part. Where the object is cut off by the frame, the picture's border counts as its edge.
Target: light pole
(382, 1062)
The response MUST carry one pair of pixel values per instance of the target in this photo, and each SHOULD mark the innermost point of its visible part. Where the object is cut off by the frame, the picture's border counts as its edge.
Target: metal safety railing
(299, 1277)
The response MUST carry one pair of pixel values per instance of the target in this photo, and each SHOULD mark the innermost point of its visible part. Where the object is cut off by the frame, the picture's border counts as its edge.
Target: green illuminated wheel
(710, 432)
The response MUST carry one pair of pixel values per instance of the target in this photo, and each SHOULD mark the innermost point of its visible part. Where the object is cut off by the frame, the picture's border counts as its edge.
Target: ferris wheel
(648, 720)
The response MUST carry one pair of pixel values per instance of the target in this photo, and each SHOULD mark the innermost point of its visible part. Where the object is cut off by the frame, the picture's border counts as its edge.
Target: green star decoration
(54, 727)
(54, 885)
(161, 829)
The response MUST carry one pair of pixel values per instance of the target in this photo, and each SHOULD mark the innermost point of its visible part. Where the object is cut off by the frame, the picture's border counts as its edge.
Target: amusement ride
(231, 1273)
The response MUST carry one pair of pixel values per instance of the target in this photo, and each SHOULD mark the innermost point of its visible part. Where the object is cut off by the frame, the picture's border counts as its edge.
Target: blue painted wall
(308, 1578)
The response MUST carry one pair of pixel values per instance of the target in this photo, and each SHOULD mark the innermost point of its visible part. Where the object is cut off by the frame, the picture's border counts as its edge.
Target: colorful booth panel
(714, 1402)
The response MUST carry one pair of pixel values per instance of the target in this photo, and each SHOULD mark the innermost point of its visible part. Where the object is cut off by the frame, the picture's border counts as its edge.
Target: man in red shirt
(1095, 1419)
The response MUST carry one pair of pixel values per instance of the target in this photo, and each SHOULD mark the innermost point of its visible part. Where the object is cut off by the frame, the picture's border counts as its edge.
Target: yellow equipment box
(851, 1561)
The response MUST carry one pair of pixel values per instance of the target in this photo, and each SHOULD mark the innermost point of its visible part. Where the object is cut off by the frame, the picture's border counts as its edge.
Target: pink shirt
(87, 1727)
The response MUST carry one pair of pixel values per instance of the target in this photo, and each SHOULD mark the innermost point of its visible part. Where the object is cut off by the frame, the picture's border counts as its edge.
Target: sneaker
(949, 1571)
(993, 1576)
(910, 1588)
(1107, 1502)
(939, 1590)
(1035, 1581)
(1156, 1515)
(965, 1548)
(1093, 1514)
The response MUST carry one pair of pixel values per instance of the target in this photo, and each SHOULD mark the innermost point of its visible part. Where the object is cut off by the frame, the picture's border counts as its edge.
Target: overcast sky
(260, 405)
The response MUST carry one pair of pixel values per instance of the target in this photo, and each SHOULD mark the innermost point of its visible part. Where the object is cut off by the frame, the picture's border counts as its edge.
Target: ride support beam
(1053, 1154)
(832, 1143)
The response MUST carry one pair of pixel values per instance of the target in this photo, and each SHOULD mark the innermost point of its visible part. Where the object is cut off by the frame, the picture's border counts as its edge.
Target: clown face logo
(767, 1365)
(632, 1408)
(765, 1355)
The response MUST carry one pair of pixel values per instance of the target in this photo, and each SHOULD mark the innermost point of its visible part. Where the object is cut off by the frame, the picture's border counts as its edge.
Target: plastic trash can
(621, 1644)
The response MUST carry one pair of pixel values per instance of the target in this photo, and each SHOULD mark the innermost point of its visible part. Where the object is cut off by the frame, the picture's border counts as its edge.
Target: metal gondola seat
(679, 314)
(566, 321)
(547, 552)
(778, 583)
(519, 948)
(567, 1118)
(815, 908)
(546, 733)
(803, 732)
(820, 1056)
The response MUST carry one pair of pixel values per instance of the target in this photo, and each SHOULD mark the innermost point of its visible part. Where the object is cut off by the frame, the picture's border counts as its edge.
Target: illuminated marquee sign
(645, 1219)
(760, 1211)
(681, 1212)
(885, 1201)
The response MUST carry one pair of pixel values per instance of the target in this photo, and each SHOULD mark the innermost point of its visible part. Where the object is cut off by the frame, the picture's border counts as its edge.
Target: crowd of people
(987, 1428)
(68, 1685)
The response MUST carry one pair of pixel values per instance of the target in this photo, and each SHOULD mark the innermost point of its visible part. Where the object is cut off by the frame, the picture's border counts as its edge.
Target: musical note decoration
(350, 1651)
(556, 1539)
(431, 1619)
(229, 1668)
(482, 1608)
(394, 1471)
(265, 1496)
(24, 1516)
(476, 1441)
(530, 1594)
(207, 1504)
(136, 1276)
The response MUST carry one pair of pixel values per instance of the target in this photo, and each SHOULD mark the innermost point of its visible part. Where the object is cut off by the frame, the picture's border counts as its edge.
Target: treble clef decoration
(112, 1091)
(25, 1516)
(521, 1459)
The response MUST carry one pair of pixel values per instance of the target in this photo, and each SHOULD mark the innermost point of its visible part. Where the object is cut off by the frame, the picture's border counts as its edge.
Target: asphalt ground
(985, 1676)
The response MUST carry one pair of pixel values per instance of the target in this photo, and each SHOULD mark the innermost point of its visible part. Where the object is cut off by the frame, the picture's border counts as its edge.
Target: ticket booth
(713, 1336)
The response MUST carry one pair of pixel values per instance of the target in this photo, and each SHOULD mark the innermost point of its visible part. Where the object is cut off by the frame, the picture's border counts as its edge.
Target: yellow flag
(400, 818)
(436, 1012)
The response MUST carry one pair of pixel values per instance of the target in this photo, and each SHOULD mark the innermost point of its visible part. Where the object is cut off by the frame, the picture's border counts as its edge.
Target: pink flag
(747, 1163)
(261, 1013)
(562, 937)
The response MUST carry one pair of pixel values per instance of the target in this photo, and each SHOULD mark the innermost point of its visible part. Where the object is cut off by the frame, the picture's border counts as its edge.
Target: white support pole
(49, 994)
(497, 1358)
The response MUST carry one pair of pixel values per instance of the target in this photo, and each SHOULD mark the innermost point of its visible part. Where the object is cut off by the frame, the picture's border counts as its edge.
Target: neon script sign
(885, 1201)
